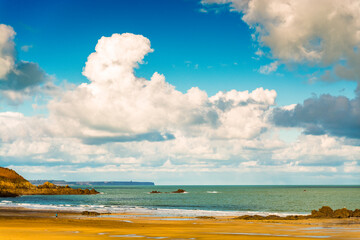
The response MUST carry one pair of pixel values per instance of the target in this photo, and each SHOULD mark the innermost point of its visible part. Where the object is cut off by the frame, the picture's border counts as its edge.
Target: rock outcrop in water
(323, 212)
(177, 191)
(13, 185)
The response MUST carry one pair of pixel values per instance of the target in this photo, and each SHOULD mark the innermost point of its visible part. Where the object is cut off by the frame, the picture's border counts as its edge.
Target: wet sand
(43, 225)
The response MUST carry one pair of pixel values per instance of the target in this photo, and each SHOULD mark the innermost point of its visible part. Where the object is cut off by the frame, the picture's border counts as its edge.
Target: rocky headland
(13, 185)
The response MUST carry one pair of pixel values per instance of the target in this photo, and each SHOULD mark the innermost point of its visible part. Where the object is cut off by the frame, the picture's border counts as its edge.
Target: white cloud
(31, 169)
(249, 164)
(203, 10)
(14, 126)
(24, 147)
(19, 80)
(26, 48)
(267, 69)
(117, 103)
(136, 127)
(51, 160)
(316, 149)
(262, 156)
(352, 167)
(115, 58)
(7, 60)
(259, 53)
(323, 32)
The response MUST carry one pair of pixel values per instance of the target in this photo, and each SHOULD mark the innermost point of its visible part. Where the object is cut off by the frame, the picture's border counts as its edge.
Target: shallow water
(128, 236)
(200, 200)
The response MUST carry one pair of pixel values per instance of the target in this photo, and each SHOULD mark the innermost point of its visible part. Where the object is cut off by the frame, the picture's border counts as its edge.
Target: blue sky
(62, 34)
(213, 45)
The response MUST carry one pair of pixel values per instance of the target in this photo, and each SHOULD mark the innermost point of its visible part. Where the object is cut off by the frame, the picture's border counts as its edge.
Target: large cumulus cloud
(118, 106)
(18, 79)
(322, 33)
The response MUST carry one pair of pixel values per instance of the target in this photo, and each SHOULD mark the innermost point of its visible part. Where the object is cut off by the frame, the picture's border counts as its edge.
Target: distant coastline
(89, 183)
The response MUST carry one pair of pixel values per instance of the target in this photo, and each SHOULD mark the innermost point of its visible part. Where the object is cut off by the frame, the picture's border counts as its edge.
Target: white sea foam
(138, 210)
(212, 192)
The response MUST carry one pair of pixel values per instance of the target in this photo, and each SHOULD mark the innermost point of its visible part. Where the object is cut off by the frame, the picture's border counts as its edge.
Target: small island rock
(179, 191)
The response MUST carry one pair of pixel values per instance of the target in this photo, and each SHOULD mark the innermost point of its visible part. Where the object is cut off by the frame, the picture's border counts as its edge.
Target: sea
(198, 200)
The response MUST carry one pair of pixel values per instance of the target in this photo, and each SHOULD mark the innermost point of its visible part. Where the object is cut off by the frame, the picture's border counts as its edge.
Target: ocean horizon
(199, 200)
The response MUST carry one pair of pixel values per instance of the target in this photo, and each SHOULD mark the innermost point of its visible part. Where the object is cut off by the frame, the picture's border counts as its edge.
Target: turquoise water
(200, 200)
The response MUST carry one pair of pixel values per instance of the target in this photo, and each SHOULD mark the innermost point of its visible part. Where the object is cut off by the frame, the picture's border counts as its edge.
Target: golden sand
(43, 225)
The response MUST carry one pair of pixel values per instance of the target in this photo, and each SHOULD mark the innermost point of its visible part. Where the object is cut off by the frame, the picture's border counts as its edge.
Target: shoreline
(176, 212)
(23, 223)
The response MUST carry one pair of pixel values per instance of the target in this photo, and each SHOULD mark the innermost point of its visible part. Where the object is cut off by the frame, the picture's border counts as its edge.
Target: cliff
(12, 185)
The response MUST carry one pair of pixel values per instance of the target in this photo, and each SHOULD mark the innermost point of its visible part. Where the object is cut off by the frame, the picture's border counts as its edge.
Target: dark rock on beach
(342, 213)
(205, 217)
(251, 217)
(7, 194)
(323, 212)
(90, 213)
(295, 217)
(327, 212)
(155, 192)
(356, 213)
(269, 217)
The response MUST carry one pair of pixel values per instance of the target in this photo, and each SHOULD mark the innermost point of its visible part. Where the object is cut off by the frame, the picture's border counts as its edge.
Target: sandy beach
(19, 223)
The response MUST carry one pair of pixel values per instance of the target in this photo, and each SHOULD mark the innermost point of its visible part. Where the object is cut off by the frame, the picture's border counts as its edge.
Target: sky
(233, 92)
